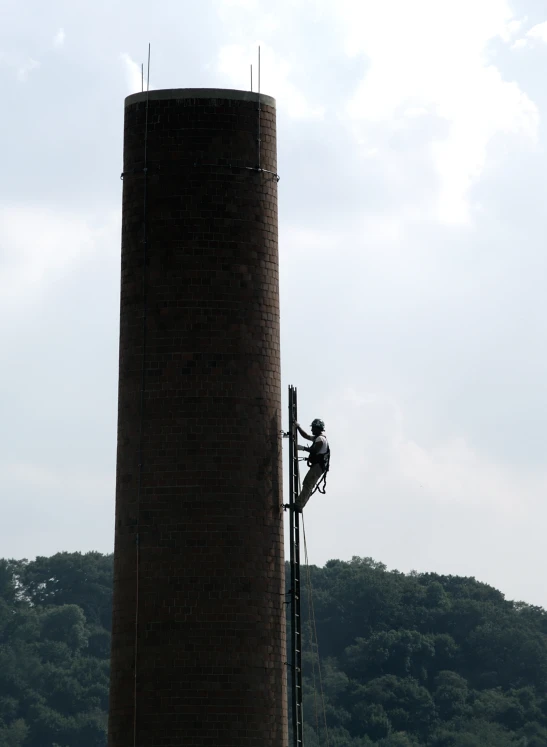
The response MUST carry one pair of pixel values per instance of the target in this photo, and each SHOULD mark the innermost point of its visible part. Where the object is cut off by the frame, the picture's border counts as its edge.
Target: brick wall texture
(199, 599)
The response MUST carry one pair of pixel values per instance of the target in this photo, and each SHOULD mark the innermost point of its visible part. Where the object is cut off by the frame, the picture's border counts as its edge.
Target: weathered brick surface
(209, 570)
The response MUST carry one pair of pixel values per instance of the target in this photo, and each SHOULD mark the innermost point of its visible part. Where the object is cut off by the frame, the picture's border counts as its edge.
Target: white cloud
(88, 485)
(433, 58)
(20, 64)
(512, 28)
(538, 32)
(38, 246)
(37, 499)
(254, 18)
(134, 73)
(453, 472)
(442, 507)
(412, 112)
(24, 70)
(276, 78)
(228, 5)
(59, 39)
(449, 472)
(520, 44)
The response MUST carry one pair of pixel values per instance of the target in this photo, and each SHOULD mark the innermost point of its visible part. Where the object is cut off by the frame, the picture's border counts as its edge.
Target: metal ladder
(296, 618)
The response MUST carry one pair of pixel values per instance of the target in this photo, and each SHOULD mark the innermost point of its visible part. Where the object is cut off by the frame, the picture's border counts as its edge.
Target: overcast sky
(412, 153)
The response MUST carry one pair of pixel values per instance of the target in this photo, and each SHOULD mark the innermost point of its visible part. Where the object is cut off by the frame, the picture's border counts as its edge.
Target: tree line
(391, 659)
(421, 660)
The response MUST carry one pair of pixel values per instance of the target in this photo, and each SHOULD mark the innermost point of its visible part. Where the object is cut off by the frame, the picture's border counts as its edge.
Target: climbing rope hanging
(313, 651)
(314, 642)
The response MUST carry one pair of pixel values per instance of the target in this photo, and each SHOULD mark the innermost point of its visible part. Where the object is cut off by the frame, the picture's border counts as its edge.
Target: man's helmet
(318, 423)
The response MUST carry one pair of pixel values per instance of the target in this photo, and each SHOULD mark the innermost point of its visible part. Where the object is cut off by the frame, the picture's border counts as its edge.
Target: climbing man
(318, 460)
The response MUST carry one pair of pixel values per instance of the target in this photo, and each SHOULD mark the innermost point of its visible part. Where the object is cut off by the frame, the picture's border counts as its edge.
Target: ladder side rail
(296, 596)
(292, 450)
(298, 637)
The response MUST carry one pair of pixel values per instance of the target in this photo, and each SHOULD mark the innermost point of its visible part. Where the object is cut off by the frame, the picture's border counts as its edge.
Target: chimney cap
(199, 93)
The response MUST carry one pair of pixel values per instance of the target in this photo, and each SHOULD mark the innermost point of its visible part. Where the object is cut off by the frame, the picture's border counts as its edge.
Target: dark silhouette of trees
(407, 660)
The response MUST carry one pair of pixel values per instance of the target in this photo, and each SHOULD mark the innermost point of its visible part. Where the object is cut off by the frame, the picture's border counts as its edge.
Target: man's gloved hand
(303, 448)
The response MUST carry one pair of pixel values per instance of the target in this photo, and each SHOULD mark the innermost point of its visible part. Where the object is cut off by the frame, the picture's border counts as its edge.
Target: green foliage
(407, 660)
(423, 660)
(54, 650)
(71, 578)
(66, 624)
(451, 695)
(14, 735)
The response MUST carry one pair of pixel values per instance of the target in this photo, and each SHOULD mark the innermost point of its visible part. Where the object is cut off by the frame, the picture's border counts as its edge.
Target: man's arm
(303, 433)
(315, 448)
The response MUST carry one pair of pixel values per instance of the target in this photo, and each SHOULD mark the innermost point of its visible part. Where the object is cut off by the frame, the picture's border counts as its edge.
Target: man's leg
(308, 485)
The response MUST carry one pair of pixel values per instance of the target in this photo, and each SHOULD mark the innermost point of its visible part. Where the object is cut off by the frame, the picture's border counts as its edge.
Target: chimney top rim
(199, 93)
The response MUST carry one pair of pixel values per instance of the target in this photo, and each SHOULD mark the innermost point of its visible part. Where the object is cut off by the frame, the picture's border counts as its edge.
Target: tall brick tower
(198, 641)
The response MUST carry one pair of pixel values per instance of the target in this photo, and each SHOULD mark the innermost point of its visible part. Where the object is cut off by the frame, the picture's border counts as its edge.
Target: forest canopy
(407, 660)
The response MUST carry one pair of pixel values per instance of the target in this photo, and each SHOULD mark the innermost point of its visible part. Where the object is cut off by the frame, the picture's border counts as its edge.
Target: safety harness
(324, 461)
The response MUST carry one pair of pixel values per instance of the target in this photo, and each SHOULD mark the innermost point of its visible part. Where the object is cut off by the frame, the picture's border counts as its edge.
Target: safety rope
(315, 711)
(318, 488)
(314, 637)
